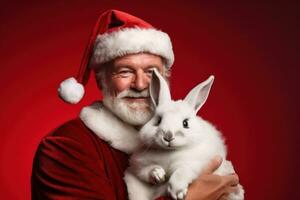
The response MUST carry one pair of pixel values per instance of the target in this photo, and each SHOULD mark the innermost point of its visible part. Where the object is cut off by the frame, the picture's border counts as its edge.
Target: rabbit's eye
(158, 120)
(185, 123)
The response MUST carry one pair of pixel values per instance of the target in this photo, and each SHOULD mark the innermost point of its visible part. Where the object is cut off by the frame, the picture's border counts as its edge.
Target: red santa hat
(116, 34)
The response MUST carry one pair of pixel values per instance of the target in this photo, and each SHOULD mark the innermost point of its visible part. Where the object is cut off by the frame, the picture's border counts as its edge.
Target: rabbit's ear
(198, 95)
(159, 89)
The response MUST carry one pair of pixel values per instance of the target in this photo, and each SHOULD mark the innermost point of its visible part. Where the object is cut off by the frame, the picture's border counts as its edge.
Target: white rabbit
(176, 145)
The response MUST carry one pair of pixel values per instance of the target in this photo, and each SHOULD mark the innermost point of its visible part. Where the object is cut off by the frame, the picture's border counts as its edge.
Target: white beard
(135, 113)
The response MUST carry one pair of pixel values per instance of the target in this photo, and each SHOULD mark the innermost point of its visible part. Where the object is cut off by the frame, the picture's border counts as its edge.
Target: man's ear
(159, 89)
(198, 95)
(101, 73)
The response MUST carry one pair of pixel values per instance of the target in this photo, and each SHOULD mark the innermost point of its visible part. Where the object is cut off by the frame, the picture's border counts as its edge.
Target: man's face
(126, 86)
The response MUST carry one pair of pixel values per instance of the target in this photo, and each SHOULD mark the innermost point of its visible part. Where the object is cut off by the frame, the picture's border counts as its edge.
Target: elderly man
(86, 158)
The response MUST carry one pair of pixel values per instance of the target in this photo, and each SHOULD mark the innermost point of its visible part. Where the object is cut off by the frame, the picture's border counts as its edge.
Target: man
(86, 158)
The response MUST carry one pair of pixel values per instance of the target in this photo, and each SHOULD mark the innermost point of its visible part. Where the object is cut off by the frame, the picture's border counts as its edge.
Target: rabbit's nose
(168, 136)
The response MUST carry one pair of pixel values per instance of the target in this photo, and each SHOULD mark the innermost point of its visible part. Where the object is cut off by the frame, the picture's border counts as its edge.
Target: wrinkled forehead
(172, 108)
(141, 60)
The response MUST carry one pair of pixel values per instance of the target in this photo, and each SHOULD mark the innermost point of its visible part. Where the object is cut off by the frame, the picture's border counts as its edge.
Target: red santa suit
(84, 158)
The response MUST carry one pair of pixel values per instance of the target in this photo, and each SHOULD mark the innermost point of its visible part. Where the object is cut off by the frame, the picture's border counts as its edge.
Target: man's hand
(212, 187)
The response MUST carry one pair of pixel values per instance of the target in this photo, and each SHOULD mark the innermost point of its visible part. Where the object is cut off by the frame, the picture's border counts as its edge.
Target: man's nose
(141, 81)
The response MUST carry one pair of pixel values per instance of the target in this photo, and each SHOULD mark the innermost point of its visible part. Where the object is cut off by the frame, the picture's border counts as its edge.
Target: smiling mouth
(136, 98)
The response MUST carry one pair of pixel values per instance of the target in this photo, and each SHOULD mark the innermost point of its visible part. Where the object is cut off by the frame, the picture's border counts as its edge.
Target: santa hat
(116, 34)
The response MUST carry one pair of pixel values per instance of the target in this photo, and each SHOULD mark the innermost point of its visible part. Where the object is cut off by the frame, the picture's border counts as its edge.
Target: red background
(252, 49)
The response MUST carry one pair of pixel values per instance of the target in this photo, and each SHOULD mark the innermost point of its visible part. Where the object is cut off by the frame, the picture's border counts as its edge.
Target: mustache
(133, 93)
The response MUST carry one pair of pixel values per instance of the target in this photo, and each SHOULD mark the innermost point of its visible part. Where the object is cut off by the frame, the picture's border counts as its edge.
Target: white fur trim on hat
(71, 91)
(133, 40)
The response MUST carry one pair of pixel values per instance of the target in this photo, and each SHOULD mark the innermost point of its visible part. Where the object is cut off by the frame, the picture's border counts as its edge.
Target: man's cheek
(120, 86)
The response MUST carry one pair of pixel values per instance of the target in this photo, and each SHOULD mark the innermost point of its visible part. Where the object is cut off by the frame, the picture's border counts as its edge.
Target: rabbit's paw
(177, 191)
(157, 175)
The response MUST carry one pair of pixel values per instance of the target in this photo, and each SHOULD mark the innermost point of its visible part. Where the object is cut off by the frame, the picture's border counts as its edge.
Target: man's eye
(149, 72)
(125, 73)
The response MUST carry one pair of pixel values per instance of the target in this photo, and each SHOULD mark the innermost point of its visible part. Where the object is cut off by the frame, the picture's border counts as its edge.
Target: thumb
(213, 165)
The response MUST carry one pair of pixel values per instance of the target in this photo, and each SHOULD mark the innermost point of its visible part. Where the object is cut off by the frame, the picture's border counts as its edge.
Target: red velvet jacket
(74, 163)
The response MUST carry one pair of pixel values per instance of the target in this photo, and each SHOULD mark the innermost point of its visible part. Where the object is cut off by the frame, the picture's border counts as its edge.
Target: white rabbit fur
(173, 152)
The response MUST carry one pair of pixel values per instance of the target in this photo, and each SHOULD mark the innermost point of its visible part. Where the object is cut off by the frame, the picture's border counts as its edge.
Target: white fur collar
(109, 128)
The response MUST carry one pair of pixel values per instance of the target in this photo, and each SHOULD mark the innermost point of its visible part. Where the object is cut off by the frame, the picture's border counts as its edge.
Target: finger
(223, 197)
(213, 165)
(232, 189)
(231, 180)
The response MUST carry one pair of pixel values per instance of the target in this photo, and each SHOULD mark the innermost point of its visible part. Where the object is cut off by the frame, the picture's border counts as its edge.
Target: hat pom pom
(71, 91)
